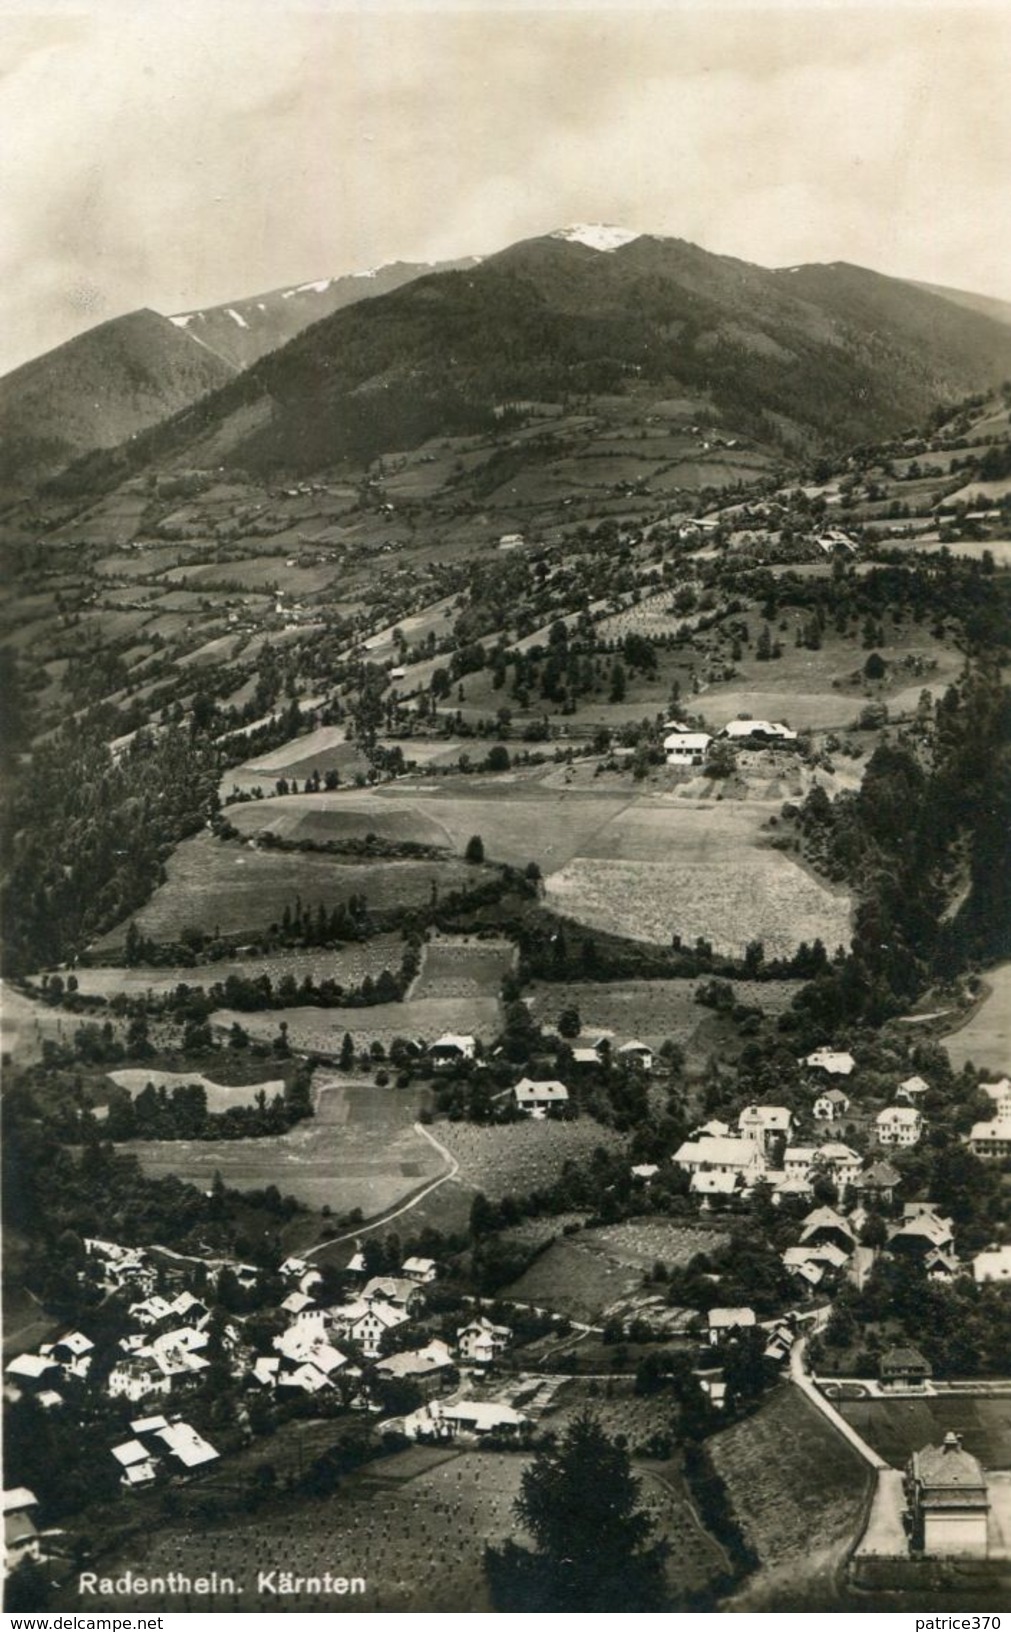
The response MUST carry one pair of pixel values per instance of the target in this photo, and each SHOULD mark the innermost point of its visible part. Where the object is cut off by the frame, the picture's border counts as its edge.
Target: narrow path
(400, 1208)
(800, 1376)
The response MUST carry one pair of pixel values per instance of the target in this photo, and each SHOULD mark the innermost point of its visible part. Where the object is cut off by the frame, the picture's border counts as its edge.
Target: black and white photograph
(505, 796)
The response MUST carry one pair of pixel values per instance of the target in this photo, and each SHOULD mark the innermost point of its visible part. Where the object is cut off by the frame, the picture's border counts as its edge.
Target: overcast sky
(167, 156)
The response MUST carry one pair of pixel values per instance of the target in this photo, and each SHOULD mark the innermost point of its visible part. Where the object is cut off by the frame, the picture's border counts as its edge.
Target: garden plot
(361, 1150)
(220, 1097)
(518, 1157)
(587, 1276)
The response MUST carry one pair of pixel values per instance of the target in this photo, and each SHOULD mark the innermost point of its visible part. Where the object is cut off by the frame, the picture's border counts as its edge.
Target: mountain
(987, 305)
(244, 330)
(810, 357)
(95, 391)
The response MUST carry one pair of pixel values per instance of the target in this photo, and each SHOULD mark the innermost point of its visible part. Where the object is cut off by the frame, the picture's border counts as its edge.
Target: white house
(420, 1270)
(832, 1061)
(135, 1379)
(538, 1099)
(762, 1123)
(993, 1264)
(722, 1321)
(898, 1125)
(911, 1091)
(761, 730)
(364, 1322)
(711, 1154)
(636, 1054)
(450, 1049)
(481, 1342)
(992, 1140)
(837, 1160)
(709, 1185)
(686, 748)
(830, 1105)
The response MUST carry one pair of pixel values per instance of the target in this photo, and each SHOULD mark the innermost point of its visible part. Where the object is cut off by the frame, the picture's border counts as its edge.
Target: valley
(507, 918)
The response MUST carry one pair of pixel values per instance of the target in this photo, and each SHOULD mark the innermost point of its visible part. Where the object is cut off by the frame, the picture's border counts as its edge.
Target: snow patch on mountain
(597, 235)
(237, 317)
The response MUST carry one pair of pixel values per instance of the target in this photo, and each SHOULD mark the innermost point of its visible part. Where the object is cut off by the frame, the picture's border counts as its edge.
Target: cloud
(177, 156)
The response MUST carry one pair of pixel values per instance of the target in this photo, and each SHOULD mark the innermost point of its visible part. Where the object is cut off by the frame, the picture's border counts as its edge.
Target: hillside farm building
(686, 748)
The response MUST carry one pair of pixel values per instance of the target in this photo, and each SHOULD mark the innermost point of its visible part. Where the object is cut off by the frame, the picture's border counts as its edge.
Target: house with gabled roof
(420, 1270)
(920, 1233)
(991, 1141)
(720, 1322)
(830, 1105)
(826, 1225)
(452, 1048)
(898, 1125)
(709, 1154)
(481, 1342)
(878, 1182)
(912, 1091)
(364, 1322)
(904, 1370)
(636, 1054)
(540, 1099)
(764, 1123)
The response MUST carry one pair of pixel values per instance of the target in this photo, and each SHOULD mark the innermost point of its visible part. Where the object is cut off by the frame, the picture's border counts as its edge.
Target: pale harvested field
(698, 870)
(518, 818)
(316, 1030)
(219, 1097)
(986, 1039)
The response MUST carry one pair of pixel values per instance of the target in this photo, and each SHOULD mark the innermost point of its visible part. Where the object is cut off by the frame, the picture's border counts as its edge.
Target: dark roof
(882, 1176)
(905, 1360)
(948, 1476)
